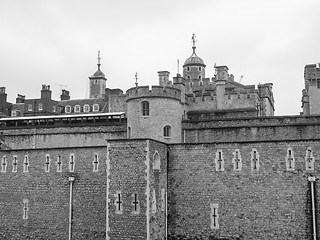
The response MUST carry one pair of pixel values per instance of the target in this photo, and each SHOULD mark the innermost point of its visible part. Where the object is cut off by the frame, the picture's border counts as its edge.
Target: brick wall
(269, 203)
(124, 166)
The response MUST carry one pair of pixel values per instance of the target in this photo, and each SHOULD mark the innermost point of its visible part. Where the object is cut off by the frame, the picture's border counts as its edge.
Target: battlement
(155, 91)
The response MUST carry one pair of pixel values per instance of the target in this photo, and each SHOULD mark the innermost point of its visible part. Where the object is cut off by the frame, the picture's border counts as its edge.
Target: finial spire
(194, 42)
(99, 58)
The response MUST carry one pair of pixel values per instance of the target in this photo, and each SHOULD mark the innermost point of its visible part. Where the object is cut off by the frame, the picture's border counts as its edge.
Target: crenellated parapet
(154, 92)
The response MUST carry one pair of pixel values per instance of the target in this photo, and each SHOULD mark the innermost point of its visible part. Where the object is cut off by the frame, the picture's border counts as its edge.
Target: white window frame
(40, 106)
(86, 108)
(29, 107)
(96, 107)
(68, 107)
(77, 108)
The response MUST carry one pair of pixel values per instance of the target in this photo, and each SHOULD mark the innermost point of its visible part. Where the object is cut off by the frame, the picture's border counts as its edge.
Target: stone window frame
(188, 69)
(25, 215)
(72, 166)
(156, 161)
(290, 153)
(219, 168)
(47, 163)
(199, 77)
(77, 108)
(68, 109)
(26, 164)
(255, 153)
(95, 160)
(237, 152)
(214, 216)
(167, 131)
(200, 69)
(59, 159)
(135, 203)
(145, 108)
(4, 164)
(95, 107)
(118, 206)
(86, 108)
(309, 154)
(14, 163)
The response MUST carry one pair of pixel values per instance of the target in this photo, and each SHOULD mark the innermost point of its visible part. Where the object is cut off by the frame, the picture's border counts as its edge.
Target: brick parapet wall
(272, 203)
(25, 138)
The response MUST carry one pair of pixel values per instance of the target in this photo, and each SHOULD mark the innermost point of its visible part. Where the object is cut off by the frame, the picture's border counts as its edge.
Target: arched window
(167, 131)
(145, 108)
(156, 161)
(188, 69)
(199, 68)
(200, 77)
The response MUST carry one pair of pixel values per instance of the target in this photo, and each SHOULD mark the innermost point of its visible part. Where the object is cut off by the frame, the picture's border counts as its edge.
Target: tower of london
(193, 157)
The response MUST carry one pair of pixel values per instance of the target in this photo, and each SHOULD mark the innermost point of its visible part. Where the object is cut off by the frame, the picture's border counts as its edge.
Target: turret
(311, 93)
(194, 67)
(97, 82)
(155, 113)
(220, 80)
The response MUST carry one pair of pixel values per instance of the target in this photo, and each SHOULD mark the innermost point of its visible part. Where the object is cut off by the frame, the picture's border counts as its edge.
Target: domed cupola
(194, 67)
(97, 82)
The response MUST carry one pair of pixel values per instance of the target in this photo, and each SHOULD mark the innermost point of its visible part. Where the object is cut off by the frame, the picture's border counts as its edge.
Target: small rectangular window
(30, 107)
(26, 164)
(40, 106)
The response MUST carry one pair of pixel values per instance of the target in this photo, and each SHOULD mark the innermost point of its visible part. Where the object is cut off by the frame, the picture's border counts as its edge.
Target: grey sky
(56, 42)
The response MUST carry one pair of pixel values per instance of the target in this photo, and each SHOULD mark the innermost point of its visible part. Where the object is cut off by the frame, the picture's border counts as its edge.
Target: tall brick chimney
(64, 95)
(3, 95)
(45, 92)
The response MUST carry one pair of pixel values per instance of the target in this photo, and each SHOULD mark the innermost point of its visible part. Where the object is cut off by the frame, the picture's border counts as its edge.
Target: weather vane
(136, 76)
(194, 39)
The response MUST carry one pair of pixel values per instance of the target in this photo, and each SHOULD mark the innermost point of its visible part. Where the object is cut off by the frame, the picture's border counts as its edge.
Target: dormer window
(68, 109)
(96, 107)
(86, 108)
(77, 108)
(30, 107)
(14, 113)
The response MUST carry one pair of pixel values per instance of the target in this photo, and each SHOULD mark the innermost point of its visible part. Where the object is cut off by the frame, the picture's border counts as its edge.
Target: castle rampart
(154, 92)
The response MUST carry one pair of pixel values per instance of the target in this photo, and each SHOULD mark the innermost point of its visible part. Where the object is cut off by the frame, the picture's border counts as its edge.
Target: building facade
(191, 158)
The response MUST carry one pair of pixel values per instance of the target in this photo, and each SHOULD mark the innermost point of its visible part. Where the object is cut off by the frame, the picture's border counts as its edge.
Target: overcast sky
(56, 42)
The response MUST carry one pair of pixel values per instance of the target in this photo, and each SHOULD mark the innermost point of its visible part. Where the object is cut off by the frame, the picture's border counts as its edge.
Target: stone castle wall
(52, 137)
(252, 129)
(270, 202)
(125, 167)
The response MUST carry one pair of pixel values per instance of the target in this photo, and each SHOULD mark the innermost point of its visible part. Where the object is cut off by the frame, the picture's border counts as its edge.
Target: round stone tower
(155, 113)
(194, 67)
